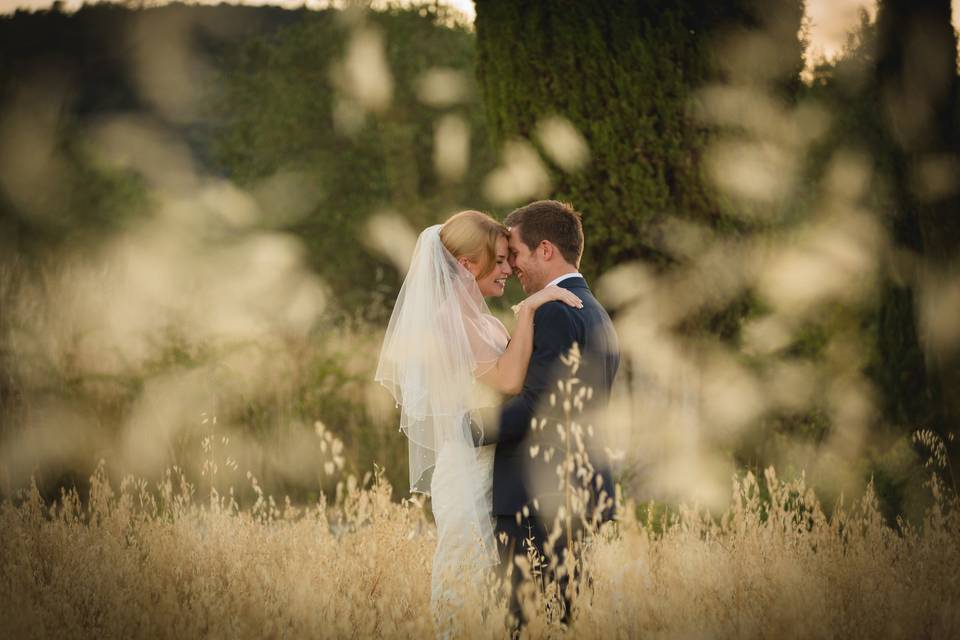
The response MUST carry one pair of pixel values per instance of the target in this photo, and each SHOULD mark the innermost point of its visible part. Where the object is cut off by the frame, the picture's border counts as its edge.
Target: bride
(440, 341)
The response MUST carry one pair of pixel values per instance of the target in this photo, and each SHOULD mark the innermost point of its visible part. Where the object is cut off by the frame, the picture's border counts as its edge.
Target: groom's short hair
(550, 220)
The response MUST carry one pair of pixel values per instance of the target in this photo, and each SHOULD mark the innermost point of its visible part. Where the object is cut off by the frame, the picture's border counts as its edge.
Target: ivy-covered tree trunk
(917, 90)
(623, 74)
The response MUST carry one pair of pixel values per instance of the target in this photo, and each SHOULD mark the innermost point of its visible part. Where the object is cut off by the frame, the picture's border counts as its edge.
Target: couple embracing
(500, 487)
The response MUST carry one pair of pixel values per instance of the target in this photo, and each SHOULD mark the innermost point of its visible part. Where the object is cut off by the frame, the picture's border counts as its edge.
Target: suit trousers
(531, 532)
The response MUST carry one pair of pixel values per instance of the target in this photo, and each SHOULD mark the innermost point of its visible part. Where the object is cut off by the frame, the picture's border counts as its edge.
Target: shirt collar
(557, 280)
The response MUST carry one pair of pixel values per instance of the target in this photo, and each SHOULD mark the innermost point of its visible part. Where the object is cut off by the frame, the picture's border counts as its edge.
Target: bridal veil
(440, 339)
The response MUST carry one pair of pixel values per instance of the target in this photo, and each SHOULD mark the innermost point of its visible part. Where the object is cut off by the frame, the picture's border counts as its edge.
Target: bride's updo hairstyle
(473, 234)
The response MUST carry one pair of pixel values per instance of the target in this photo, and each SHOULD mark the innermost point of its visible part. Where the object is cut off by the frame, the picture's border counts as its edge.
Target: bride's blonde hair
(473, 234)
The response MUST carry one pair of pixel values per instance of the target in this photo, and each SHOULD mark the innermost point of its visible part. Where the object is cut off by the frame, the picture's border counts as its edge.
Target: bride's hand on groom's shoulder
(549, 294)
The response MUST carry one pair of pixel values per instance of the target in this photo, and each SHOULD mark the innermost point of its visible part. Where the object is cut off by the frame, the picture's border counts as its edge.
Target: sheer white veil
(440, 338)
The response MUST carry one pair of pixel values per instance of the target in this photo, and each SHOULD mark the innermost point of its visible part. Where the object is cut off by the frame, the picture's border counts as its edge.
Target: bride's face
(494, 282)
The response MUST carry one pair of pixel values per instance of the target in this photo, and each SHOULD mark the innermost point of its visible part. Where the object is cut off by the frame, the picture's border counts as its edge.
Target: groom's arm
(553, 337)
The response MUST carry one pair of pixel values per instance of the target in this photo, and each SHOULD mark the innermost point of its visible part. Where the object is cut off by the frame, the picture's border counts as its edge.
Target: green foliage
(269, 110)
(624, 74)
(277, 113)
(78, 67)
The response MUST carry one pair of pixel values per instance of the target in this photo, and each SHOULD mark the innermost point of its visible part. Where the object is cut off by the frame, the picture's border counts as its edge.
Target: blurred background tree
(259, 97)
(918, 122)
(630, 77)
(279, 112)
(894, 97)
(269, 111)
(625, 74)
(707, 164)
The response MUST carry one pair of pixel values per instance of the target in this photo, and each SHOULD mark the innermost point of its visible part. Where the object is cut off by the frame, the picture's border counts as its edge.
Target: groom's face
(525, 263)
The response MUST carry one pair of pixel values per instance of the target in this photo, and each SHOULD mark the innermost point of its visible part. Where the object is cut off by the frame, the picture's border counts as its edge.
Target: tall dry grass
(167, 559)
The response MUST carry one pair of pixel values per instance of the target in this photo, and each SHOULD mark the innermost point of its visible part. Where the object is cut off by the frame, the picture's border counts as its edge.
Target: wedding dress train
(460, 563)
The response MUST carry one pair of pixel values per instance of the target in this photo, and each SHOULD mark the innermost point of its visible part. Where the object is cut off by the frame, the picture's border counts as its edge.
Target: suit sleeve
(553, 337)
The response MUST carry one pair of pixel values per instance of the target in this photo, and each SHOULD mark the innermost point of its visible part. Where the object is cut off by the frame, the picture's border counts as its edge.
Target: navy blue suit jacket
(518, 477)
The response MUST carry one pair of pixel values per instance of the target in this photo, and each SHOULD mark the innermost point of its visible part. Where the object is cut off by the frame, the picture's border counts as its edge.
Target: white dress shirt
(573, 274)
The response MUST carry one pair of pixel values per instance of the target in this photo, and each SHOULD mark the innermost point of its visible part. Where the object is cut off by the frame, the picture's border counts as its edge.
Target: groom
(546, 243)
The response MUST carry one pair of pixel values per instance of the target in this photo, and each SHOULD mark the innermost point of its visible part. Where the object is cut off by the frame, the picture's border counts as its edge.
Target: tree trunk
(917, 90)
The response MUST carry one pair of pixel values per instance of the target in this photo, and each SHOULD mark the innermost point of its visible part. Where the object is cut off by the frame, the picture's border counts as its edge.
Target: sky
(830, 19)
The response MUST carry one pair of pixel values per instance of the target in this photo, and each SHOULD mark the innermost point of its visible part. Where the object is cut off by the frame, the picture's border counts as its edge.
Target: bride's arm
(508, 373)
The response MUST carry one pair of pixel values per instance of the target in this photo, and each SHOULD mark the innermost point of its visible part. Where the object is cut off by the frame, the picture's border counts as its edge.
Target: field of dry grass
(166, 559)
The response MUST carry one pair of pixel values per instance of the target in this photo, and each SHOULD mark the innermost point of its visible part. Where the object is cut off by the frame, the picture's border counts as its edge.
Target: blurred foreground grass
(101, 366)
